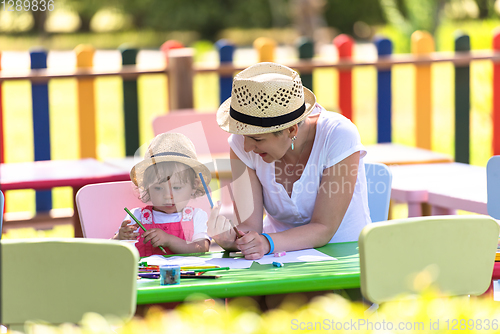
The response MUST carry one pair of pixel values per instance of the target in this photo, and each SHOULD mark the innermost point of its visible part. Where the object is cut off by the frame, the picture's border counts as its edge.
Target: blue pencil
(206, 190)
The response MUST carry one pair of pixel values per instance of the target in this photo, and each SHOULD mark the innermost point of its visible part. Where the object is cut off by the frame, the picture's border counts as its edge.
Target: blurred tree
(86, 10)
(308, 16)
(486, 8)
(39, 18)
(207, 17)
(411, 15)
(343, 14)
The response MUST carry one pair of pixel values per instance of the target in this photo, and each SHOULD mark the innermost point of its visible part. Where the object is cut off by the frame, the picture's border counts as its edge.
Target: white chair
(379, 181)
(493, 186)
(457, 251)
(59, 280)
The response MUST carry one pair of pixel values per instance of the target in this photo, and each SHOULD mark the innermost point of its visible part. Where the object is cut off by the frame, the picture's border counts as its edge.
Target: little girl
(168, 177)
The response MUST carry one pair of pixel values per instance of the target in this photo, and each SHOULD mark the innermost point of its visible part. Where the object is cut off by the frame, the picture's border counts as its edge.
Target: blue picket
(384, 94)
(226, 51)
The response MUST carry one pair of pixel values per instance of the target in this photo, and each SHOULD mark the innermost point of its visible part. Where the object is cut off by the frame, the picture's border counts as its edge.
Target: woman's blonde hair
(278, 133)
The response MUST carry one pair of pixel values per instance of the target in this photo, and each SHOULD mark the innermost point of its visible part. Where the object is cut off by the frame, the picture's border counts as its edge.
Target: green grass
(153, 101)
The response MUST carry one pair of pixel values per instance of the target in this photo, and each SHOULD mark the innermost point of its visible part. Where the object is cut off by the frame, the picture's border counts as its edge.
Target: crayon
(141, 226)
(198, 267)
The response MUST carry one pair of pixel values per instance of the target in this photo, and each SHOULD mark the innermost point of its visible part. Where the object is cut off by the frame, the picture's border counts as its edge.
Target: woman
(303, 165)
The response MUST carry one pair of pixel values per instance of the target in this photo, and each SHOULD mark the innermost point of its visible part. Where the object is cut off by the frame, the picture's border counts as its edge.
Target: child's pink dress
(183, 229)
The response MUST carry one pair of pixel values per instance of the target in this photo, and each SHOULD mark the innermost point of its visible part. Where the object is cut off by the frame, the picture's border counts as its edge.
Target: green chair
(458, 251)
(59, 280)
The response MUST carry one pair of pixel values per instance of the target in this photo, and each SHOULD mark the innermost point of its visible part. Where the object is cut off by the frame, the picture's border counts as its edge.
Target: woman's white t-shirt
(336, 138)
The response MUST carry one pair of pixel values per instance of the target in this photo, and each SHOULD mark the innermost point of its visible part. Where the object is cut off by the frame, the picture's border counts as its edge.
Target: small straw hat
(170, 147)
(266, 97)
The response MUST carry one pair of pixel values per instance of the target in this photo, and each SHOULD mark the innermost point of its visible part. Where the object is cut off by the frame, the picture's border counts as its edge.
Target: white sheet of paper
(233, 263)
(184, 261)
(305, 255)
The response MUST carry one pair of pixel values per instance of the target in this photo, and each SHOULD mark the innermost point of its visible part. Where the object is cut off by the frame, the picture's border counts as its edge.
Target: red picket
(344, 45)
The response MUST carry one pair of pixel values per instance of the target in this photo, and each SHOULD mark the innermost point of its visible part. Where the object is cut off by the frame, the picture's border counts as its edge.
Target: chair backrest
(59, 280)
(101, 207)
(2, 202)
(493, 186)
(458, 251)
(379, 182)
(201, 128)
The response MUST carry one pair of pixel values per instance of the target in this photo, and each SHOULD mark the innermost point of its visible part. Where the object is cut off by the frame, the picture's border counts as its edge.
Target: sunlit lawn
(153, 101)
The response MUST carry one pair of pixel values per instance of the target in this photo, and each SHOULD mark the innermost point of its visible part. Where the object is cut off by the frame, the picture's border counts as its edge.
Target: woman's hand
(220, 229)
(127, 231)
(253, 245)
(157, 237)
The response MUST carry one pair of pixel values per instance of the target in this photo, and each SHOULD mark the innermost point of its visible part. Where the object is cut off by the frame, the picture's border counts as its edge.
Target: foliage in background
(206, 18)
(436, 16)
(480, 32)
(342, 15)
(410, 15)
(486, 8)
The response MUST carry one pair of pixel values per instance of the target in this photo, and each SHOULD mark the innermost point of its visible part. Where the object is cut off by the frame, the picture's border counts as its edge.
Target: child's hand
(157, 237)
(219, 227)
(127, 231)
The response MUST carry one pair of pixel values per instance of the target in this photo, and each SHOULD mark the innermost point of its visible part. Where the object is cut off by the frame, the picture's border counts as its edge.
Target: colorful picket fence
(180, 70)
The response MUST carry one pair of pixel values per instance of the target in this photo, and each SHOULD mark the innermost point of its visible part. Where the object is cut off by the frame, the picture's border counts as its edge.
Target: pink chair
(101, 207)
(209, 140)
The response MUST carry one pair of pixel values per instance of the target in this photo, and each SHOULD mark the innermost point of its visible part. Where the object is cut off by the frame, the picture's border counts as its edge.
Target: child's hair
(163, 171)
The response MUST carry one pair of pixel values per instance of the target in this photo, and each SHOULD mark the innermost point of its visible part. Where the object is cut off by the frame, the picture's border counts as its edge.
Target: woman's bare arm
(247, 202)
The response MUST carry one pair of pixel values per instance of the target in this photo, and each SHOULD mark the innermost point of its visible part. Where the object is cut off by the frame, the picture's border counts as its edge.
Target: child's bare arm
(175, 244)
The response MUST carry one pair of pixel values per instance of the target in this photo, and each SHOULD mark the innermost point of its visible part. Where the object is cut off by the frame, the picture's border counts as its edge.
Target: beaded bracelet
(271, 243)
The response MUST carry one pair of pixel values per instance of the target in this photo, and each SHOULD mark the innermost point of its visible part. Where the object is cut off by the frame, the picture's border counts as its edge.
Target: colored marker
(238, 234)
(198, 267)
(206, 190)
(149, 275)
(141, 226)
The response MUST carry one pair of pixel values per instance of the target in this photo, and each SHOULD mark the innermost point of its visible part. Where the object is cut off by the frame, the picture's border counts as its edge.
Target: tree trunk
(483, 7)
(39, 17)
(84, 23)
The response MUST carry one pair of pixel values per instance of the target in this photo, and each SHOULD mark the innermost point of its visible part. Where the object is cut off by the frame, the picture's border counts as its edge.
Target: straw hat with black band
(266, 97)
(170, 147)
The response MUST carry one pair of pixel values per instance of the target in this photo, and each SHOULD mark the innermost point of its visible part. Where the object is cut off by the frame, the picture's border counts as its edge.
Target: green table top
(264, 279)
